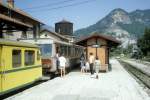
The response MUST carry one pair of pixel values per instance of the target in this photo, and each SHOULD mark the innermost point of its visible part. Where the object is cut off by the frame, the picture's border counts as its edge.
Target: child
(82, 65)
(97, 66)
(87, 66)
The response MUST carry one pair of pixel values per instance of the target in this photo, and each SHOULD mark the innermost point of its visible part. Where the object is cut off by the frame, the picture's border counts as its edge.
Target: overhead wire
(59, 7)
(47, 5)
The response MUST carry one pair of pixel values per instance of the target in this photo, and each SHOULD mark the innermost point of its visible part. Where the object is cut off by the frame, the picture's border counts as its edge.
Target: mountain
(125, 26)
(120, 20)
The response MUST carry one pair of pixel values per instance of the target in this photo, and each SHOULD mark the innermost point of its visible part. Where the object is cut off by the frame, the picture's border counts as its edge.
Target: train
(20, 65)
(49, 49)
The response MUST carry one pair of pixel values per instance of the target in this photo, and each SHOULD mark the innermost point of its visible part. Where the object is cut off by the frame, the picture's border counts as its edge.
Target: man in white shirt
(62, 65)
(91, 61)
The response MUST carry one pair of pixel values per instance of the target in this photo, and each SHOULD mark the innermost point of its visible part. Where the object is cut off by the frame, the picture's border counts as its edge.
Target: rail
(143, 77)
(141, 61)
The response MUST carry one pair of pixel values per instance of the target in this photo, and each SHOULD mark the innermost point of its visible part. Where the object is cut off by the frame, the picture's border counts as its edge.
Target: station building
(99, 45)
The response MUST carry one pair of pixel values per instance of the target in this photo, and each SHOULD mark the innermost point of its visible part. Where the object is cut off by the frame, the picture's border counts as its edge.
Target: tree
(144, 42)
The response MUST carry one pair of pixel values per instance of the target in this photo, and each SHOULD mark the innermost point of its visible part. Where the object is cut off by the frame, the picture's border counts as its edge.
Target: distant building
(65, 28)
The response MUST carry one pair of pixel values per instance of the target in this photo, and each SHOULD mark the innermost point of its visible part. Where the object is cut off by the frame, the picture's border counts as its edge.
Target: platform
(114, 85)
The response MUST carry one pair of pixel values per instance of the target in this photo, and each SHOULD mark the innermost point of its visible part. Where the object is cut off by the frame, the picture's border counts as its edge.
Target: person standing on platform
(62, 65)
(57, 61)
(82, 63)
(87, 66)
(97, 64)
(91, 61)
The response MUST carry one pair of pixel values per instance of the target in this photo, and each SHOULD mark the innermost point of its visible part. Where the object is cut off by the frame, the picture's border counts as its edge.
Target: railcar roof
(17, 43)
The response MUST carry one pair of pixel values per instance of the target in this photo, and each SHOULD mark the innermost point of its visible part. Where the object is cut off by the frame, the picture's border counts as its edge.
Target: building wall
(12, 36)
(17, 35)
(101, 51)
(46, 34)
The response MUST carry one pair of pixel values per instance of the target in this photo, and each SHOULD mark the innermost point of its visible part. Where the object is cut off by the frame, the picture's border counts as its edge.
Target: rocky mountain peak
(120, 16)
(118, 10)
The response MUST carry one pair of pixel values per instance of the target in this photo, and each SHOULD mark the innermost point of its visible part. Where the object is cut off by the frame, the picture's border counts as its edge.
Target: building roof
(98, 35)
(20, 12)
(64, 21)
(49, 29)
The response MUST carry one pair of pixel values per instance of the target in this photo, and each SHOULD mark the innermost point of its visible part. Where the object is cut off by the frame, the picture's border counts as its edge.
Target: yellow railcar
(20, 65)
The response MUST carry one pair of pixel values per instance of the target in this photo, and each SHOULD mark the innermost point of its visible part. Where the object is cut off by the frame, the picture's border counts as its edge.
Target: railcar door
(0, 70)
(46, 51)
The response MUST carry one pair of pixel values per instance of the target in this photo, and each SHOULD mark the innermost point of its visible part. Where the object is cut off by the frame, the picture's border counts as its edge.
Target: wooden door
(102, 56)
(101, 53)
(91, 50)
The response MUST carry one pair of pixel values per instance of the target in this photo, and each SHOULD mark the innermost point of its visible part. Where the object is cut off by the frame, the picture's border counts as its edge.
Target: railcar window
(73, 52)
(69, 51)
(76, 51)
(38, 55)
(16, 58)
(62, 50)
(29, 57)
(46, 50)
(65, 50)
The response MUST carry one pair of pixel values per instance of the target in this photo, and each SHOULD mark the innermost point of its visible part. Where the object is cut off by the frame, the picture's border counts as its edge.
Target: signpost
(95, 46)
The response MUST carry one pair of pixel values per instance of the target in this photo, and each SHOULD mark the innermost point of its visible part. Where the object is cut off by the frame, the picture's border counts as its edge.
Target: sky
(84, 12)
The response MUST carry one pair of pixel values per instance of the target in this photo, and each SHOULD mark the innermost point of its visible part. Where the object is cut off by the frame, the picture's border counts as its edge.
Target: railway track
(143, 62)
(145, 79)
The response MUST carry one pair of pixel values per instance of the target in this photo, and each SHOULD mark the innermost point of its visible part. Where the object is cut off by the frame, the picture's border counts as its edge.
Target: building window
(29, 57)
(16, 58)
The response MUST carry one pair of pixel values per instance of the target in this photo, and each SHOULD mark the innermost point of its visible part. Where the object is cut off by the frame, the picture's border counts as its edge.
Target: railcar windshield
(46, 50)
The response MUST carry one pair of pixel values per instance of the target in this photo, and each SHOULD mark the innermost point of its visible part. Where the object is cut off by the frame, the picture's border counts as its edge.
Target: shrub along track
(145, 79)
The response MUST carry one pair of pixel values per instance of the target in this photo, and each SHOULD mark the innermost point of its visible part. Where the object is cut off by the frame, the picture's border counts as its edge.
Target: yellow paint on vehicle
(13, 77)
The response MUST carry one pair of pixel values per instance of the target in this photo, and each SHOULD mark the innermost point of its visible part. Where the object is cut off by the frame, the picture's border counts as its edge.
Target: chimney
(10, 3)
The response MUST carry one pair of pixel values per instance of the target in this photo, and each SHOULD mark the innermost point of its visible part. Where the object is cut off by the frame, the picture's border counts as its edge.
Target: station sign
(95, 46)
